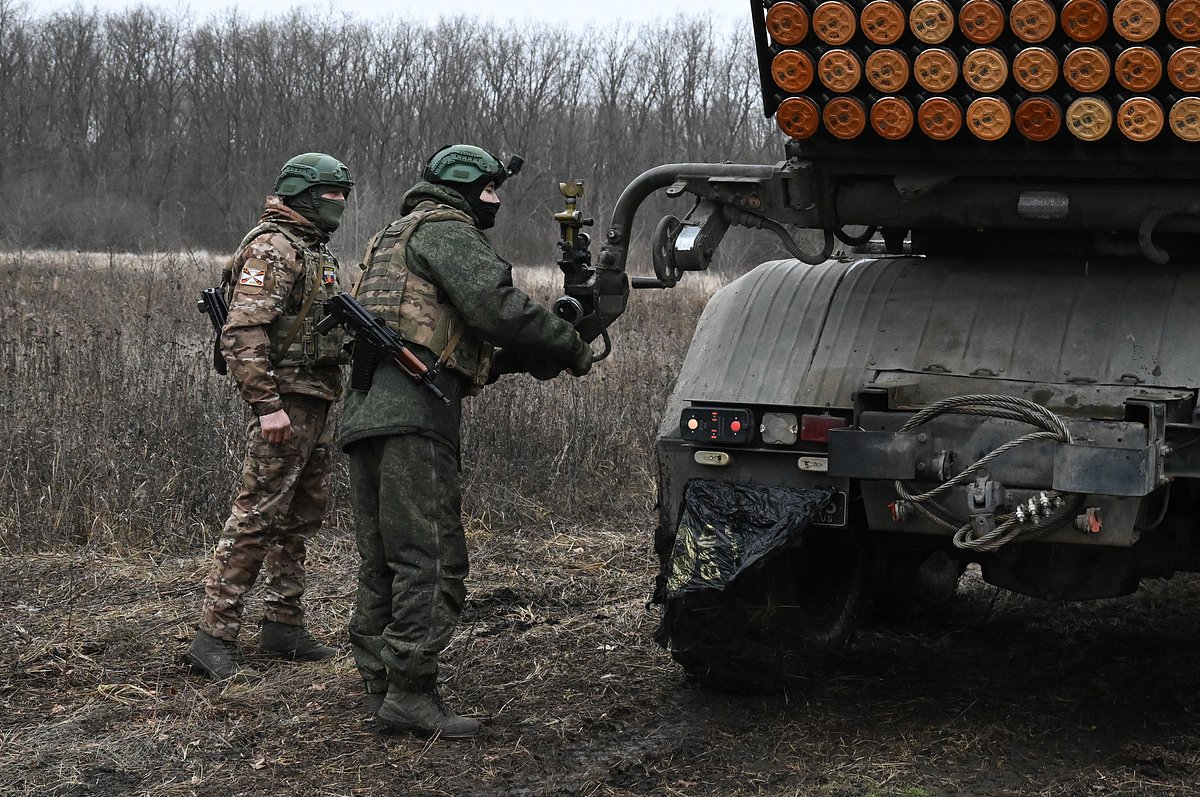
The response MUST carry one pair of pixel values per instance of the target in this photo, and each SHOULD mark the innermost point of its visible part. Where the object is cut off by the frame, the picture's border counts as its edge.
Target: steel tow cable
(1011, 527)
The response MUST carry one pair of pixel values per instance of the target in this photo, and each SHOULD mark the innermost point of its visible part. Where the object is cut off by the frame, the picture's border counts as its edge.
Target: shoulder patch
(252, 278)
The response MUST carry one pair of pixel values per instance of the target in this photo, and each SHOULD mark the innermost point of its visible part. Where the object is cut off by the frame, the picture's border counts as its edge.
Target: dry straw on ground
(121, 435)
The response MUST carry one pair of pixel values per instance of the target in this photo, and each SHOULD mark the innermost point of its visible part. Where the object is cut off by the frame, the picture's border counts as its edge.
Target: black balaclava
(326, 214)
(484, 211)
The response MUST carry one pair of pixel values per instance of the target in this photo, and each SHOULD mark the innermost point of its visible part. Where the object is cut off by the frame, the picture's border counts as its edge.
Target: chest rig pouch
(411, 305)
(295, 342)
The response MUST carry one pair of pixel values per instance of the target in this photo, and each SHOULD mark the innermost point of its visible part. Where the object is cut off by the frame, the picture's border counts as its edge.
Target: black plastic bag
(728, 527)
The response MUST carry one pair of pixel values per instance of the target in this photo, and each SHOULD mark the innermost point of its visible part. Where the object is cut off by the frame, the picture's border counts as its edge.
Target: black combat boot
(284, 641)
(424, 714)
(376, 690)
(373, 702)
(219, 659)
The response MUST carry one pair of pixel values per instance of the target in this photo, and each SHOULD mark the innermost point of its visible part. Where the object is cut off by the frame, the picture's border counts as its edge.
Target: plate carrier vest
(294, 339)
(411, 305)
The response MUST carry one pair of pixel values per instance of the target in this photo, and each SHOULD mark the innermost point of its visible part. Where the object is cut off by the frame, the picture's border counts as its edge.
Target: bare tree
(135, 127)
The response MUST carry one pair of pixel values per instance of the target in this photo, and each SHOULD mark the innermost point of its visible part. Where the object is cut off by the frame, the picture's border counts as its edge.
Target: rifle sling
(451, 345)
(309, 298)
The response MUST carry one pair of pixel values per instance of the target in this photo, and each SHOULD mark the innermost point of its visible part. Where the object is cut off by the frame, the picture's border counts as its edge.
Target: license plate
(833, 513)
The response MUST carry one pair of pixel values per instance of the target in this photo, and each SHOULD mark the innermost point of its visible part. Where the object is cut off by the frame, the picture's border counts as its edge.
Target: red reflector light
(715, 425)
(815, 428)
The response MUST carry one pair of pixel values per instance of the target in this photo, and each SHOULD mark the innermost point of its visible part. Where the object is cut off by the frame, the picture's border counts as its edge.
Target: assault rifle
(367, 330)
(212, 303)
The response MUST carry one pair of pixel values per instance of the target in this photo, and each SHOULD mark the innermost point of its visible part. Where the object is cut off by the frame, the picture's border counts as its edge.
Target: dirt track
(999, 695)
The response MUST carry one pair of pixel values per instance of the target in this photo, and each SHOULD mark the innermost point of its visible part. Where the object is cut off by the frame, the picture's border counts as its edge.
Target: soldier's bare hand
(276, 427)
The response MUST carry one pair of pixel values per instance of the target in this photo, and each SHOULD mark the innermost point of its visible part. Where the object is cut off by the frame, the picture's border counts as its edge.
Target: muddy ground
(998, 695)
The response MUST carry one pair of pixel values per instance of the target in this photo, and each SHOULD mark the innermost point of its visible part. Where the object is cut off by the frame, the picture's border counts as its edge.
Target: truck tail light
(716, 425)
(815, 428)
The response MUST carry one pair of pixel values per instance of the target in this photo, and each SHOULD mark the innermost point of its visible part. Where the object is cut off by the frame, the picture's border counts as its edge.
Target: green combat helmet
(305, 177)
(464, 164)
(310, 169)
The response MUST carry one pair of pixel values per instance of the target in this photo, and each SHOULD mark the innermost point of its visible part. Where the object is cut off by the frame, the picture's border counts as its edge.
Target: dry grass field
(120, 450)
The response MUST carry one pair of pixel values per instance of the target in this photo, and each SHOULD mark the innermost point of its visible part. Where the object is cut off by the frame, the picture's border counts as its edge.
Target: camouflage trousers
(406, 497)
(278, 506)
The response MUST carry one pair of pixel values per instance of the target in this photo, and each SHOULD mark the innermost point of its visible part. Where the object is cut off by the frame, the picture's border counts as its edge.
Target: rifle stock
(212, 304)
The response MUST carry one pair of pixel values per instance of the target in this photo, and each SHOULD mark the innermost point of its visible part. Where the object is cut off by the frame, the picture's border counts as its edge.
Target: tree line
(141, 130)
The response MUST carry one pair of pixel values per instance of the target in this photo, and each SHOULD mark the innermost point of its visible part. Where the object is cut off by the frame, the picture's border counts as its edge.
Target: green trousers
(406, 497)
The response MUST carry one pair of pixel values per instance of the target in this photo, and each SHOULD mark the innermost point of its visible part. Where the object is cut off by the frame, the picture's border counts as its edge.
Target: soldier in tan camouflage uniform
(433, 277)
(290, 376)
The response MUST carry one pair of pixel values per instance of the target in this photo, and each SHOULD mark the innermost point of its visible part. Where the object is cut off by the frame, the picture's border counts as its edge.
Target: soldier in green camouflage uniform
(290, 376)
(432, 275)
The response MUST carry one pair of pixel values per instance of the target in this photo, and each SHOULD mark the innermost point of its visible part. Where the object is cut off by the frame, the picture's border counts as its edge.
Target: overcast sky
(579, 14)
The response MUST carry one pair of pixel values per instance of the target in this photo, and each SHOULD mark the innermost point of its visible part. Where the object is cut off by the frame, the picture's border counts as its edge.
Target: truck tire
(908, 585)
(777, 626)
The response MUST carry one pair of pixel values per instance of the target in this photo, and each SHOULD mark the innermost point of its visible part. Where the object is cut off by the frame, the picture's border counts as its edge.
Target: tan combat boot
(424, 714)
(284, 641)
(219, 659)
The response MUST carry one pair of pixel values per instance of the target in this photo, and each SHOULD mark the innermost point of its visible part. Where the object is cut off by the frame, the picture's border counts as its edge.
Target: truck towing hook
(984, 497)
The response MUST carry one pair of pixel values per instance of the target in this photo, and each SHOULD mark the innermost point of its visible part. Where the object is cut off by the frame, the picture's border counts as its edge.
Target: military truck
(987, 352)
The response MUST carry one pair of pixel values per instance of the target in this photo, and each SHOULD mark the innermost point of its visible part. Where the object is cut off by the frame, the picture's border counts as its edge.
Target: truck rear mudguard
(826, 367)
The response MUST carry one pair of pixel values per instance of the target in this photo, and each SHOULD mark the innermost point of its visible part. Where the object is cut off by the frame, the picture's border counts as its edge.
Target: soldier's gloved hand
(543, 369)
(504, 361)
(583, 360)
